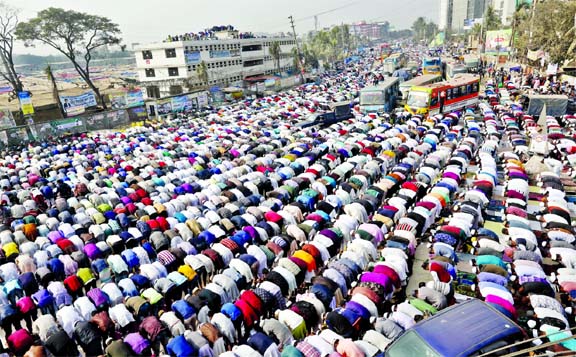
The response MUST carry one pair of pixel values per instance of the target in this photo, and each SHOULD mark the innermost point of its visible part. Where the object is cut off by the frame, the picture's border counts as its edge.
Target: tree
(476, 31)
(491, 19)
(74, 34)
(8, 24)
(431, 30)
(202, 72)
(419, 28)
(552, 29)
(520, 14)
(275, 52)
(55, 96)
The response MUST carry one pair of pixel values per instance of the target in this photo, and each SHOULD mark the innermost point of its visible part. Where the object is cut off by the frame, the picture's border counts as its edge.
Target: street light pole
(301, 69)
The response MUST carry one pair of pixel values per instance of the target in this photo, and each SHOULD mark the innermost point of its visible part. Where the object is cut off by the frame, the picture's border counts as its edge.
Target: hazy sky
(151, 20)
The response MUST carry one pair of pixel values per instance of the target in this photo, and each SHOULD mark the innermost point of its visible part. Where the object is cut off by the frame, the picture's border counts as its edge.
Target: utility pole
(301, 69)
(315, 23)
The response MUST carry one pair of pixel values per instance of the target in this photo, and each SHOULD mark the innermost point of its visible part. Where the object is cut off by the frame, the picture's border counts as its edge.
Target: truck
(471, 328)
(339, 111)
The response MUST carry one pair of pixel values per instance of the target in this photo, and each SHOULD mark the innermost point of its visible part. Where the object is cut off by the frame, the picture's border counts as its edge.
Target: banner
(192, 57)
(552, 69)
(137, 113)
(498, 42)
(535, 55)
(164, 107)
(6, 119)
(129, 99)
(77, 104)
(219, 54)
(181, 104)
(25, 99)
(203, 100)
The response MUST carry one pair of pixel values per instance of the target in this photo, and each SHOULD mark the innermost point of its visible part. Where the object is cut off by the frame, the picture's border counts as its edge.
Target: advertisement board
(192, 57)
(181, 103)
(25, 99)
(498, 42)
(77, 104)
(164, 107)
(127, 99)
(219, 54)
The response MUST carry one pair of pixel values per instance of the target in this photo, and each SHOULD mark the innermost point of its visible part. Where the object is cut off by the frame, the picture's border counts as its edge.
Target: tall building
(453, 13)
(459, 14)
(166, 68)
(506, 8)
(445, 20)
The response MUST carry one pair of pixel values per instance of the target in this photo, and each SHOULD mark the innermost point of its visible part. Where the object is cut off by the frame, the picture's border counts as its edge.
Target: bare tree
(8, 23)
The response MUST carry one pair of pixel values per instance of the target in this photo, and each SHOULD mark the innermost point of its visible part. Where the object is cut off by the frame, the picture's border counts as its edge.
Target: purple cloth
(136, 342)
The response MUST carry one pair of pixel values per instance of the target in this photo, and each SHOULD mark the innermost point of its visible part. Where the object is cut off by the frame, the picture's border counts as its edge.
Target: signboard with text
(77, 104)
(192, 57)
(25, 99)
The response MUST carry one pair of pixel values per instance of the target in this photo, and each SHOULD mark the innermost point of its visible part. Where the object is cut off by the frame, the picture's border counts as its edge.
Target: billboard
(128, 99)
(164, 107)
(498, 42)
(25, 99)
(192, 57)
(182, 103)
(219, 54)
(77, 104)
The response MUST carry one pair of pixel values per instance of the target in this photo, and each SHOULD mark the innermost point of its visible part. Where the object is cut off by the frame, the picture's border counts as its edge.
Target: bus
(432, 65)
(472, 63)
(381, 98)
(444, 97)
(418, 81)
(471, 328)
(454, 68)
(394, 62)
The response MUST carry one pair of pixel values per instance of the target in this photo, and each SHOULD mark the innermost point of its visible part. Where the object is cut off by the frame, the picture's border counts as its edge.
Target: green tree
(202, 73)
(75, 34)
(491, 19)
(275, 52)
(8, 24)
(431, 30)
(476, 31)
(520, 14)
(552, 30)
(419, 28)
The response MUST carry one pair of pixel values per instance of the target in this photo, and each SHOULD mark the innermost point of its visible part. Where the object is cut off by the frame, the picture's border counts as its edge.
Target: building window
(170, 53)
(153, 92)
(173, 71)
(150, 72)
(147, 55)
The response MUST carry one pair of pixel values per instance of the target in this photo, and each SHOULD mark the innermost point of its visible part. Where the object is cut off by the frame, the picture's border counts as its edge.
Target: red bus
(444, 97)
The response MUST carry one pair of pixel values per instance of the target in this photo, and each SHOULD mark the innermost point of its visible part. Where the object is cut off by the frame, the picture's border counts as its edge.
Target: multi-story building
(454, 14)
(170, 67)
(373, 31)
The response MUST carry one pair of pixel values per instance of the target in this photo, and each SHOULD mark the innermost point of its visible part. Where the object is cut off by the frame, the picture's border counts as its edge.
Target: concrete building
(453, 13)
(445, 20)
(169, 68)
(506, 8)
(373, 31)
(459, 14)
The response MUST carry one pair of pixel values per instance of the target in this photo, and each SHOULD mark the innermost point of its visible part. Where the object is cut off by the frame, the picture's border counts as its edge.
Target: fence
(44, 131)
